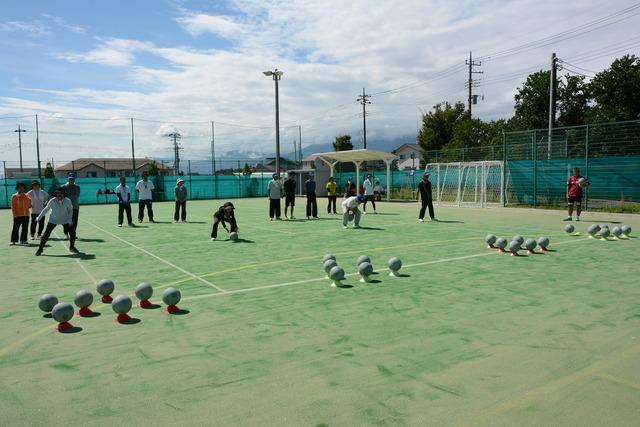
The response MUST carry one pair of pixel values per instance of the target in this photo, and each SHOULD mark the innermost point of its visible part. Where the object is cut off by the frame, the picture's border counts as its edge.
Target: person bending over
(225, 214)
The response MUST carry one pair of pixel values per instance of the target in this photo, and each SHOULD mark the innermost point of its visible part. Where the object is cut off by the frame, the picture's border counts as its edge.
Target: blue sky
(196, 61)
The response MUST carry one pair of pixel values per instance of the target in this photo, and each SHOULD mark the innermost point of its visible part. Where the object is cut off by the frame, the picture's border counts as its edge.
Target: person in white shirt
(368, 194)
(61, 214)
(124, 201)
(145, 188)
(378, 191)
(350, 207)
(275, 192)
(39, 199)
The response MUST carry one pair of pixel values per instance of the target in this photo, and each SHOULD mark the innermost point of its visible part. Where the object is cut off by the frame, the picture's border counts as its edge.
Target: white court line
(169, 263)
(93, 279)
(318, 279)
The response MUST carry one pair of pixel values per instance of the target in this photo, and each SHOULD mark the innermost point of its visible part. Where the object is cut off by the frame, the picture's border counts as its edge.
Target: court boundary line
(169, 263)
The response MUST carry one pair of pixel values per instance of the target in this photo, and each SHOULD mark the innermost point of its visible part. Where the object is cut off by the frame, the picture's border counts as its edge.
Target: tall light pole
(276, 74)
(364, 100)
(20, 143)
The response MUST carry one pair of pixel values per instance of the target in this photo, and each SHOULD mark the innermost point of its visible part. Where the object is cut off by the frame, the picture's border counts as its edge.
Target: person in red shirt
(574, 195)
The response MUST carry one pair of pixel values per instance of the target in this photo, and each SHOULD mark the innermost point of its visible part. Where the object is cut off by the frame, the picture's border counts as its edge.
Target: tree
(343, 143)
(532, 102)
(246, 170)
(438, 125)
(48, 171)
(616, 91)
(153, 169)
(573, 101)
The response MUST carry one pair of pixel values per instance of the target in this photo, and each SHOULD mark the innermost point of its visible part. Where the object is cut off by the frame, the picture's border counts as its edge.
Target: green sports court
(466, 335)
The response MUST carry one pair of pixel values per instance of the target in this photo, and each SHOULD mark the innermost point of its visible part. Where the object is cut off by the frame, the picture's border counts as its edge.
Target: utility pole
(364, 100)
(471, 63)
(277, 75)
(300, 143)
(553, 84)
(19, 130)
(176, 151)
(38, 151)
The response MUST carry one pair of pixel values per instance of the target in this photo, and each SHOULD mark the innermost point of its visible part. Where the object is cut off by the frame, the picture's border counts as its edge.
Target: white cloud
(32, 28)
(224, 26)
(112, 52)
(76, 29)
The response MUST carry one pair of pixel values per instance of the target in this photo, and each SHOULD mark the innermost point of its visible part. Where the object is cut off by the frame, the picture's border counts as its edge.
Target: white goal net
(477, 184)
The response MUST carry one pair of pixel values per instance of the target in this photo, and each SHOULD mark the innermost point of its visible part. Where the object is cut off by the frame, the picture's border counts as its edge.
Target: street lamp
(20, 143)
(276, 74)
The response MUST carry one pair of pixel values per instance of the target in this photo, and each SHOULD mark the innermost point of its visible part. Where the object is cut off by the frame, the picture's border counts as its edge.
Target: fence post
(104, 168)
(504, 169)
(239, 180)
(586, 166)
(189, 172)
(6, 191)
(535, 168)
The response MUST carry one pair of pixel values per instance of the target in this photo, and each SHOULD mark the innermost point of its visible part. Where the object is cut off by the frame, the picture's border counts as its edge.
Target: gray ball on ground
(336, 273)
(144, 291)
(490, 239)
(518, 238)
(530, 244)
(626, 230)
(593, 229)
(616, 231)
(363, 258)
(105, 287)
(329, 264)
(514, 246)
(351, 217)
(233, 236)
(365, 269)
(171, 296)
(121, 304)
(501, 243)
(604, 233)
(543, 241)
(394, 264)
(327, 257)
(62, 312)
(569, 228)
(83, 299)
(47, 302)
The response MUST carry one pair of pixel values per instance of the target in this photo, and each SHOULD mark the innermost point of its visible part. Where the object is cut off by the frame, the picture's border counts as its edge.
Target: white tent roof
(352, 156)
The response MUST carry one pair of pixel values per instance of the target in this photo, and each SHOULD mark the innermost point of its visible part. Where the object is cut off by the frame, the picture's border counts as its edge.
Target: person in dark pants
(274, 193)
(61, 214)
(124, 201)
(39, 199)
(332, 194)
(20, 204)
(290, 194)
(145, 188)
(310, 189)
(350, 189)
(224, 214)
(72, 192)
(424, 193)
(181, 201)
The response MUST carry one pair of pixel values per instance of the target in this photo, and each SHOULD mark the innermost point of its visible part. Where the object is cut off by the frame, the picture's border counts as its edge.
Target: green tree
(48, 171)
(438, 125)
(153, 169)
(246, 170)
(343, 143)
(532, 102)
(573, 101)
(616, 91)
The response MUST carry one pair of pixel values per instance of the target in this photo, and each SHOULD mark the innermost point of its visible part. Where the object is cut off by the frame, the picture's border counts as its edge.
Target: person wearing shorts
(290, 194)
(574, 195)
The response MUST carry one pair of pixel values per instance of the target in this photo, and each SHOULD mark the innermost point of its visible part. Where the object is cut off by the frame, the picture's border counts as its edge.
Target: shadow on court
(93, 314)
(81, 256)
(181, 312)
(450, 222)
(72, 330)
(91, 240)
(371, 228)
(132, 321)
(242, 241)
(151, 307)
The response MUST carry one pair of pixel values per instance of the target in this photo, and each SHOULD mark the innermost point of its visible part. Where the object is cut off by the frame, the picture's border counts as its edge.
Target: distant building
(409, 156)
(24, 173)
(111, 167)
(269, 164)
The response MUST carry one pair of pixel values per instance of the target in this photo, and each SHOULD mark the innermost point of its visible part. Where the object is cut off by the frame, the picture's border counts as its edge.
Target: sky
(86, 68)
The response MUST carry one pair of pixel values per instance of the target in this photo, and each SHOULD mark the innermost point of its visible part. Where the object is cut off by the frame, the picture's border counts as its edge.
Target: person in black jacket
(424, 193)
(224, 214)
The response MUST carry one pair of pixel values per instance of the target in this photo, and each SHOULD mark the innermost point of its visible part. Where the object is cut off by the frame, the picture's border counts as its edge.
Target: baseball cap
(360, 198)
(179, 180)
(72, 175)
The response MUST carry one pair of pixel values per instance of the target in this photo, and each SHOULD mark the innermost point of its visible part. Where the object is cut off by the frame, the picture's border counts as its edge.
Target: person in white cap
(72, 192)
(39, 199)
(124, 201)
(350, 207)
(145, 188)
(275, 191)
(424, 193)
(181, 201)
(368, 194)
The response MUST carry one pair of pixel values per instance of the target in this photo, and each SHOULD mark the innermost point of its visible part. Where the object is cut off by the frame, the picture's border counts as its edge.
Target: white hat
(179, 180)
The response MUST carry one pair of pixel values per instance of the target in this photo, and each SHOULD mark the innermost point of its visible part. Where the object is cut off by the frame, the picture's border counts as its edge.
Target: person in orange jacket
(20, 204)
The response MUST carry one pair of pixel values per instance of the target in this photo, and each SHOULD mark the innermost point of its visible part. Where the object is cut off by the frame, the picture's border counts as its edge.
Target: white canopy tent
(357, 157)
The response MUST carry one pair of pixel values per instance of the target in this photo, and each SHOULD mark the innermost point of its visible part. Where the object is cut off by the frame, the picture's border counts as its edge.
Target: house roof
(411, 146)
(111, 163)
(352, 156)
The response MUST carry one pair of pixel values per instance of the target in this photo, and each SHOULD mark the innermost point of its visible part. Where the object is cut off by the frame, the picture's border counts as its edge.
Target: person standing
(181, 201)
(424, 193)
(274, 193)
(332, 194)
(574, 195)
(72, 192)
(368, 194)
(350, 189)
(350, 207)
(20, 204)
(290, 193)
(145, 188)
(124, 201)
(61, 214)
(39, 199)
(378, 191)
(310, 189)
(225, 214)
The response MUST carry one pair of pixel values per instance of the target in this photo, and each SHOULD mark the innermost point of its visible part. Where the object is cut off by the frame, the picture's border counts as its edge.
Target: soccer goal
(476, 184)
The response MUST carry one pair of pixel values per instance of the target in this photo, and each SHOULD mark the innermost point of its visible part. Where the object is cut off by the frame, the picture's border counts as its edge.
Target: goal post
(474, 184)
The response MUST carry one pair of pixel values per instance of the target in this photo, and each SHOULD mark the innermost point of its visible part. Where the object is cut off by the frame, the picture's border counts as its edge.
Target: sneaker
(577, 218)
(567, 219)
(364, 212)
(213, 239)
(356, 226)
(278, 219)
(420, 220)
(74, 250)
(344, 226)
(434, 219)
(130, 225)
(139, 220)
(175, 221)
(151, 220)
(33, 237)
(25, 243)
(315, 217)
(286, 217)
(119, 225)
(308, 218)
(184, 220)
(375, 212)
(270, 219)
(39, 236)
(12, 243)
(293, 217)
(39, 252)
(66, 237)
